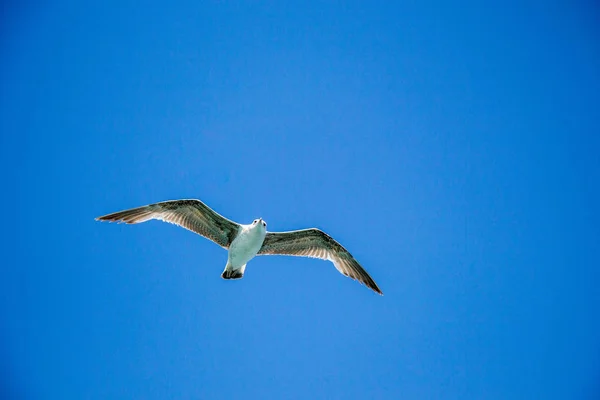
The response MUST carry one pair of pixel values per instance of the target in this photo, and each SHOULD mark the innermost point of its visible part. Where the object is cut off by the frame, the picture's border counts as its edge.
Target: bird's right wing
(193, 215)
(317, 244)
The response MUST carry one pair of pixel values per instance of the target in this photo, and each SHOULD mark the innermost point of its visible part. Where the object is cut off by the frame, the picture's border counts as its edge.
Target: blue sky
(452, 148)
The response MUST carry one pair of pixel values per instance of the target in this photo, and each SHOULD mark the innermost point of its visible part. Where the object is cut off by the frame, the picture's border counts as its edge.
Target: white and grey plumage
(244, 242)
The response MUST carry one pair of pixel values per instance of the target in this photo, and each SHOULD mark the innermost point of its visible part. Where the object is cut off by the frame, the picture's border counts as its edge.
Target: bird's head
(260, 222)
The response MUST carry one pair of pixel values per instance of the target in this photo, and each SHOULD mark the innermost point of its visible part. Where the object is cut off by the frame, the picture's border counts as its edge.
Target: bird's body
(244, 248)
(244, 242)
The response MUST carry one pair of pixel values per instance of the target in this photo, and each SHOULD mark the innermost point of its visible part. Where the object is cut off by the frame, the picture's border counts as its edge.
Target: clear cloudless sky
(452, 147)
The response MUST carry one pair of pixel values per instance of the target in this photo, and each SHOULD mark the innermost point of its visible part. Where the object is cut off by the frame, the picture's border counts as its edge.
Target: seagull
(244, 242)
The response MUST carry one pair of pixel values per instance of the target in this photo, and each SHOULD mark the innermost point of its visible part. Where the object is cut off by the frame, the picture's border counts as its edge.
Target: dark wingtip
(376, 289)
(370, 283)
(109, 218)
(104, 218)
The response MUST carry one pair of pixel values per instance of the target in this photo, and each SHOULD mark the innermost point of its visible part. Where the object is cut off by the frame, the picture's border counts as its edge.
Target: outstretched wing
(193, 215)
(316, 244)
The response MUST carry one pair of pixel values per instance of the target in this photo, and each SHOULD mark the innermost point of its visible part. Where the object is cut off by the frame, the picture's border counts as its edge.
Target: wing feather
(192, 214)
(315, 243)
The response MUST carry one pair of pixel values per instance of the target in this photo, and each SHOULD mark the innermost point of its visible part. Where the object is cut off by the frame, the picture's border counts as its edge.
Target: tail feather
(233, 273)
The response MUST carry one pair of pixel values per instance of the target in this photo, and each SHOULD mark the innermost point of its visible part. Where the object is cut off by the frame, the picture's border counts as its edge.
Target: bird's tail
(230, 273)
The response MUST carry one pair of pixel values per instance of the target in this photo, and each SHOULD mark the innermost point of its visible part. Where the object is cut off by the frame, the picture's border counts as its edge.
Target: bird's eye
(254, 221)
(264, 224)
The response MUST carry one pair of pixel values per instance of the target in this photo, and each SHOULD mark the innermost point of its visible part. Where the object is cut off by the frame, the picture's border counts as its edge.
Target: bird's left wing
(193, 215)
(316, 244)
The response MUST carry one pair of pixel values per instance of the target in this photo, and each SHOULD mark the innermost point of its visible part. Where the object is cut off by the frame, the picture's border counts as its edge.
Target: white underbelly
(244, 248)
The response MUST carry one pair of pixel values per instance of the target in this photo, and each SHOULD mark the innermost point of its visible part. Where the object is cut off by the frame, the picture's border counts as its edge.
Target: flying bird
(244, 242)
